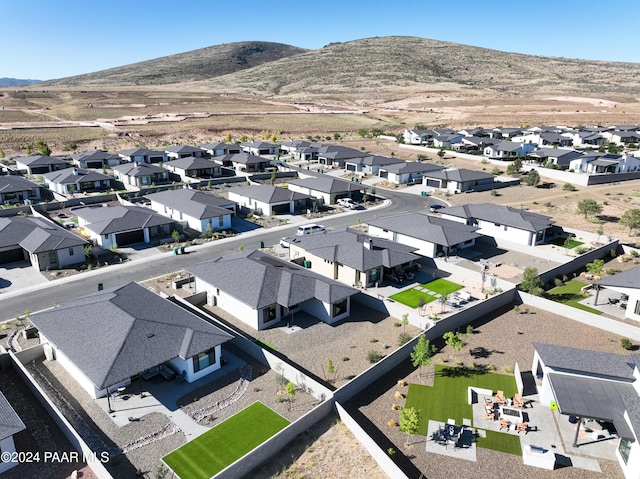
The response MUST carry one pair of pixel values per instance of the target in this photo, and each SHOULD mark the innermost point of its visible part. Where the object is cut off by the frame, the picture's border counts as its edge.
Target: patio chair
(489, 414)
(488, 401)
(500, 399)
(504, 424)
(522, 426)
(517, 401)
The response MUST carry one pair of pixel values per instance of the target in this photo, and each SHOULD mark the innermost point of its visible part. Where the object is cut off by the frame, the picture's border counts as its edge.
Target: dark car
(435, 208)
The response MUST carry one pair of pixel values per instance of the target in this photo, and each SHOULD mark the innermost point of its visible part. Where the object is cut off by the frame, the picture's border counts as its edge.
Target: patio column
(575, 438)
(595, 300)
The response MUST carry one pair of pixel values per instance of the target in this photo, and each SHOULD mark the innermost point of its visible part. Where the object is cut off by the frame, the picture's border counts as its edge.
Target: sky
(47, 39)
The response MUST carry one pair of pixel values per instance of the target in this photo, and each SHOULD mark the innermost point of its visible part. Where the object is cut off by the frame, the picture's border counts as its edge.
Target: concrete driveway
(18, 275)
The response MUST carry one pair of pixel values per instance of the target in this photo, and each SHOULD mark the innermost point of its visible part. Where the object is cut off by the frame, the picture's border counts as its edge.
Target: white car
(347, 203)
(284, 242)
(310, 229)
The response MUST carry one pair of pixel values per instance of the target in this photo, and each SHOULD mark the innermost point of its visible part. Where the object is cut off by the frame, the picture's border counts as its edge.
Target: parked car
(434, 208)
(347, 203)
(310, 229)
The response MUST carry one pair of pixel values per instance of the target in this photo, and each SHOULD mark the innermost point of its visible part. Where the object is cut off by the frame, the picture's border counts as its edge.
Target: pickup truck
(347, 203)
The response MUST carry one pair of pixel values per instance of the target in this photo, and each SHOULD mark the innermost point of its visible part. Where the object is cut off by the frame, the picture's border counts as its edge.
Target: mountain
(8, 82)
(381, 68)
(195, 65)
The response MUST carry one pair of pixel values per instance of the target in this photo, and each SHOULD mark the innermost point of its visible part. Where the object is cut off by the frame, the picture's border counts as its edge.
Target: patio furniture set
(508, 412)
(450, 433)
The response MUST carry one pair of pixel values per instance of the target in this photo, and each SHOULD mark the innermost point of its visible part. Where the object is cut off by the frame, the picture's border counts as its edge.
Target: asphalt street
(57, 291)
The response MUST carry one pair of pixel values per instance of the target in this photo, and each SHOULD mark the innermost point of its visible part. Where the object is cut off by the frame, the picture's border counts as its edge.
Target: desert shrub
(611, 271)
(568, 187)
(634, 253)
(404, 338)
(397, 324)
(558, 282)
(508, 369)
(344, 358)
(373, 356)
(392, 423)
(626, 344)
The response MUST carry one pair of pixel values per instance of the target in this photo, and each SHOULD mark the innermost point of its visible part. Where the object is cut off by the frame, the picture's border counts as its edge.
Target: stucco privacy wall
(18, 360)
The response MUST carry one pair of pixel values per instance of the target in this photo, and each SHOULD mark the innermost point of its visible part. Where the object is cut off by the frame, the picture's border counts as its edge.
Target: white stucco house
(110, 338)
(261, 290)
(268, 199)
(627, 283)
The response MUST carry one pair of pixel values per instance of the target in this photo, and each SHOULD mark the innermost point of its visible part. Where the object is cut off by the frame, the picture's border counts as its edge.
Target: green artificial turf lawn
(559, 241)
(447, 399)
(442, 286)
(570, 294)
(211, 452)
(411, 297)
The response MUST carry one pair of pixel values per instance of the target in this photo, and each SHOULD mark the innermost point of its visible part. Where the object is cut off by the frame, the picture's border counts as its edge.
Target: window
(339, 308)
(269, 313)
(203, 360)
(637, 310)
(53, 257)
(220, 221)
(71, 252)
(624, 448)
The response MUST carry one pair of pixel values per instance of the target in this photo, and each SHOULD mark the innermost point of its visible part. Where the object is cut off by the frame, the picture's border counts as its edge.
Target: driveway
(18, 275)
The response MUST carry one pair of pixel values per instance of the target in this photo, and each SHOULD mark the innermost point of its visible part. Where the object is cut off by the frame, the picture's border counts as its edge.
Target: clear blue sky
(46, 39)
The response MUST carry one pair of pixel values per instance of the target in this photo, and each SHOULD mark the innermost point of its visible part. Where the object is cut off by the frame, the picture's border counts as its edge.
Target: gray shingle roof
(39, 160)
(75, 175)
(260, 280)
(504, 215)
(347, 247)
(182, 149)
(460, 175)
(428, 228)
(117, 219)
(372, 160)
(245, 158)
(141, 152)
(36, 235)
(191, 163)
(258, 144)
(119, 332)
(267, 193)
(411, 167)
(327, 184)
(138, 169)
(15, 184)
(632, 406)
(606, 365)
(193, 203)
(626, 279)
(507, 146)
(10, 422)
(336, 152)
(93, 155)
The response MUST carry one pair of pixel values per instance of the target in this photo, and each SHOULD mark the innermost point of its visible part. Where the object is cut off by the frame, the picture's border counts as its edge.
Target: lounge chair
(504, 424)
(517, 401)
(522, 426)
(500, 399)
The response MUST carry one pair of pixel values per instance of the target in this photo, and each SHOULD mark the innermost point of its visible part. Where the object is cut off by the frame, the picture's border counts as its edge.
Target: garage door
(94, 164)
(11, 256)
(130, 237)
(280, 209)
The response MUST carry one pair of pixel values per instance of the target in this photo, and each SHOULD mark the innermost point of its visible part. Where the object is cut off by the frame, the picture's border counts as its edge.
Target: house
(351, 257)
(260, 148)
(77, 180)
(16, 189)
(417, 137)
(445, 140)
(369, 165)
(42, 242)
(301, 149)
(327, 188)
(122, 225)
(193, 167)
(627, 283)
(10, 425)
(508, 150)
(269, 200)
(554, 157)
(458, 180)
(407, 172)
(107, 340)
(610, 163)
(474, 144)
(37, 165)
(429, 235)
(505, 133)
(183, 151)
(585, 138)
(195, 209)
(140, 174)
(579, 164)
(142, 155)
(623, 137)
(336, 156)
(600, 391)
(261, 290)
(96, 159)
(554, 139)
(246, 162)
(219, 149)
(502, 222)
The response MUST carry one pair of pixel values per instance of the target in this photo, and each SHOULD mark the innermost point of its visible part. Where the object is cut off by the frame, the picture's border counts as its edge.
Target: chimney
(75, 172)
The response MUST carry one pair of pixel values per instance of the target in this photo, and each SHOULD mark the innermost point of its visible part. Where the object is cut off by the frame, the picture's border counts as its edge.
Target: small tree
(443, 301)
(409, 421)
(175, 234)
(422, 354)
(595, 267)
(291, 392)
(441, 153)
(514, 167)
(453, 339)
(405, 321)
(331, 369)
(272, 180)
(567, 243)
(531, 282)
(88, 250)
(631, 219)
(43, 148)
(532, 178)
(589, 207)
